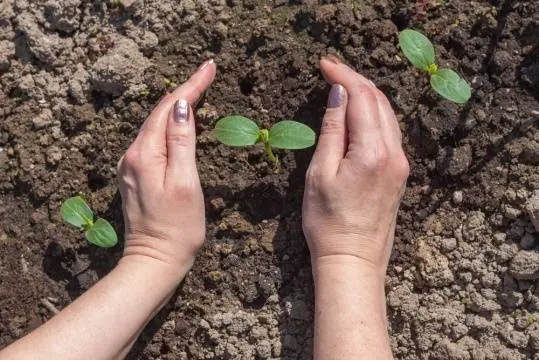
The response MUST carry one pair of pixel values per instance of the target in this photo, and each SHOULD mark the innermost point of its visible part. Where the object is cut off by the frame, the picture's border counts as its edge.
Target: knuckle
(179, 139)
(332, 123)
(401, 167)
(365, 91)
(186, 188)
(130, 161)
(376, 159)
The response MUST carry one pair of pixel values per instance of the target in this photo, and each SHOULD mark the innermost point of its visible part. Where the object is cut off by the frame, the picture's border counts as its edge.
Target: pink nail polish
(181, 111)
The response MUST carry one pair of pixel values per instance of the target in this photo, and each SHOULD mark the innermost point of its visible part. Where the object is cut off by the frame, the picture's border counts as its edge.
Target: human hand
(357, 175)
(162, 198)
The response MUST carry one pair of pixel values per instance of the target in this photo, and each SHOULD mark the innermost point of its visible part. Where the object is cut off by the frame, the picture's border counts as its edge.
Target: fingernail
(204, 65)
(181, 111)
(334, 59)
(336, 96)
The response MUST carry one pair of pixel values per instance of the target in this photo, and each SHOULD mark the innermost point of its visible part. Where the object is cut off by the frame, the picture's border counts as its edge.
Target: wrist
(350, 265)
(157, 257)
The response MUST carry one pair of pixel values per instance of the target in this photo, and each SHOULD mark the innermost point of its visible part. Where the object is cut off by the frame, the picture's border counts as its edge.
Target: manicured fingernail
(204, 65)
(334, 59)
(181, 111)
(336, 96)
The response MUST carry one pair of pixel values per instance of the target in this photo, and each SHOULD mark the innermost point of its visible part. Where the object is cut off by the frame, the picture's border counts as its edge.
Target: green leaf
(102, 234)
(76, 212)
(236, 131)
(417, 48)
(291, 135)
(451, 86)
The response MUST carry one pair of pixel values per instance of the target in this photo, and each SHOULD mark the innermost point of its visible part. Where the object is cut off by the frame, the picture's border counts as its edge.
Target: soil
(78, 77)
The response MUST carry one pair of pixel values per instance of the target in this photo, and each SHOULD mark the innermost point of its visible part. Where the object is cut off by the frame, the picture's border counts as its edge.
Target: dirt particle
(54, 155)
(454, 161)
(121, 68)
(532, 207)
(525, 265)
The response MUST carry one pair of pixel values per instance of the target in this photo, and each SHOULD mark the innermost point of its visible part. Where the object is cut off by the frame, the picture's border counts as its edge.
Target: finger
(181, 136)
(153, 138)
(362, 120)
(389, 124)
(332, 142)
(333, 70)
(191, 90)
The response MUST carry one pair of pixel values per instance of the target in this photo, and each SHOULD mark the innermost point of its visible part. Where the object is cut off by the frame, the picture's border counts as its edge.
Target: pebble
(511, 212)
(458, 197)
(448, 244)
(527, 242)
(525, 265)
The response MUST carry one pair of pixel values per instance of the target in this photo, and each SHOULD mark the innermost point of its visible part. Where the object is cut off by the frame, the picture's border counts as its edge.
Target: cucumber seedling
(420, 51)
(287, 134)
(98, 231)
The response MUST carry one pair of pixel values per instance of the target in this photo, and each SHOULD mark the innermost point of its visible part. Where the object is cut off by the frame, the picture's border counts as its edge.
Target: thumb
(332, 142)
(180, 125)
(181, 139)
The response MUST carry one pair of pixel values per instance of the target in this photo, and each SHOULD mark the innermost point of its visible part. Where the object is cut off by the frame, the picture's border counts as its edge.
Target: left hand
(162, 198)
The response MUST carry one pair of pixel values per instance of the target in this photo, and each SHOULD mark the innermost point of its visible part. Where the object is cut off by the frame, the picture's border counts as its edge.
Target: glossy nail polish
(334, 59)
(181, 111)
(336, 96)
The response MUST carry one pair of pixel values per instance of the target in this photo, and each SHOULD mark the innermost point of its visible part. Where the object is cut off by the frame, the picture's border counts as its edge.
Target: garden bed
(78, 78)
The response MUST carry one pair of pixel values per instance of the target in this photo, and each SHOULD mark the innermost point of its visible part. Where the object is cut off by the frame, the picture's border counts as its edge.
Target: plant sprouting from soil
(98, 231)
(287, 134)
(420, 51)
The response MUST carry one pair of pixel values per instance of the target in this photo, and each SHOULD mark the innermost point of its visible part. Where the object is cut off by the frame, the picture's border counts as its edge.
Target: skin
(352, 193)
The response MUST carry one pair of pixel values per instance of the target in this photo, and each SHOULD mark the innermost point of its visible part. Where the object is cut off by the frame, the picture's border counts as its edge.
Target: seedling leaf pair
(420, 51)
(100, 232)
(240, 131)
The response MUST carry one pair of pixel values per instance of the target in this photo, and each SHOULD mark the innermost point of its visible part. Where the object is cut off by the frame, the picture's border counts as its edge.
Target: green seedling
(98, 231)
(420, 51)
(169, 83)
(241, 131)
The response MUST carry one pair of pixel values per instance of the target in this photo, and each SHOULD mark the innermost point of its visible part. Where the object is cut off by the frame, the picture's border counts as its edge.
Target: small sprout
(420, 52)
(99, 232)
(169, 83)
(241, 131)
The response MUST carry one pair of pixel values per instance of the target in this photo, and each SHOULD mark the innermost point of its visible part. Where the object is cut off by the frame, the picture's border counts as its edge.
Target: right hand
(162, 198)
(357, 175)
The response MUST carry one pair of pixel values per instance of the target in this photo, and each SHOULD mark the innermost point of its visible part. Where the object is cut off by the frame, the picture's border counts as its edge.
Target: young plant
(98, 231)
(420, 51)
(241, 131)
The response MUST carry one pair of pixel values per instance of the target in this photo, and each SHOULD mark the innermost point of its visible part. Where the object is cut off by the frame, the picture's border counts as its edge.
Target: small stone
(448, 245)
(221, 30)
(500, 238)
(263, 349)
(454, 161)
(458, 197)
(525, 265)
(43, 120)
(217, 203)
(527, 242)
(511, 213)
(54, 155)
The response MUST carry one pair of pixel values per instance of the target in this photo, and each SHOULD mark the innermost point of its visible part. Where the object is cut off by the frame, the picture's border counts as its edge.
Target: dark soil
(453, 289)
